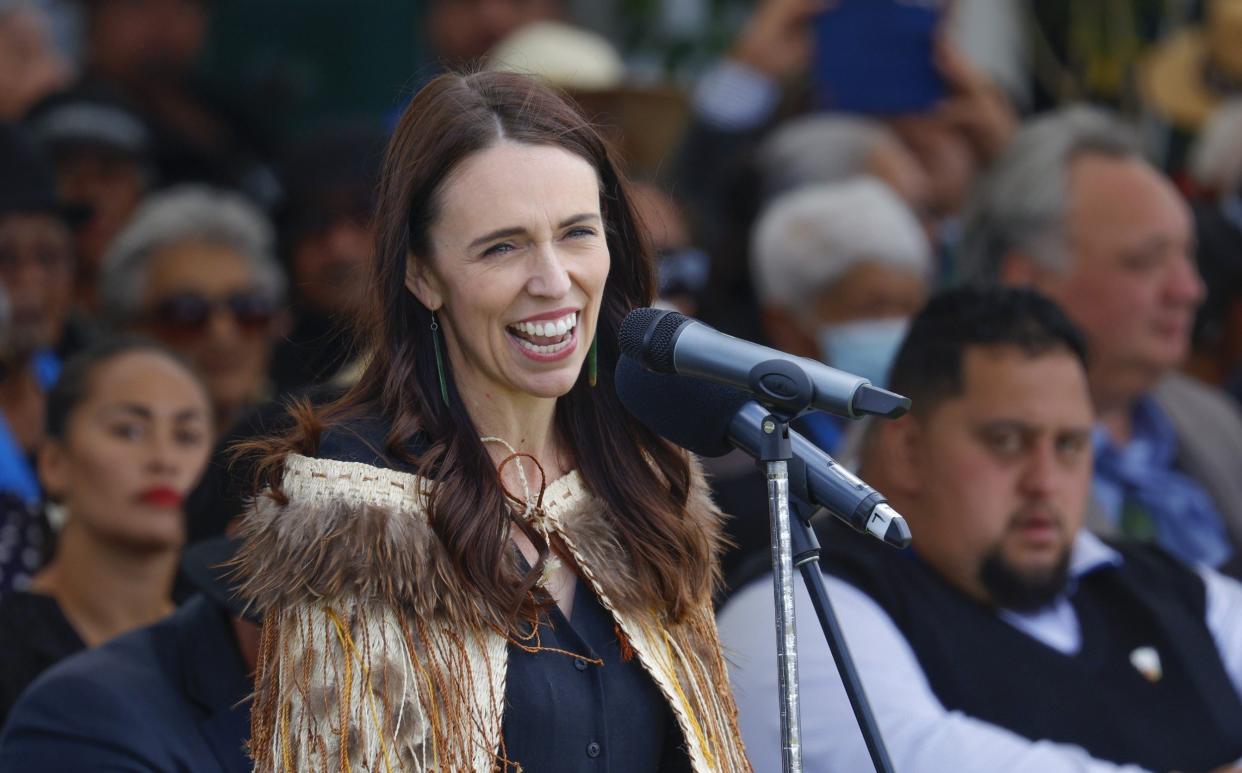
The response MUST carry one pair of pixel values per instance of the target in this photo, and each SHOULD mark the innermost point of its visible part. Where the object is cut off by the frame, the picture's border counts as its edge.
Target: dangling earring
(435, 344)
(593, 361)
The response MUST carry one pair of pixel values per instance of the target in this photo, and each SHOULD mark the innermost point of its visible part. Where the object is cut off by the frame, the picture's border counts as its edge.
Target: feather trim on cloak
(374, 658)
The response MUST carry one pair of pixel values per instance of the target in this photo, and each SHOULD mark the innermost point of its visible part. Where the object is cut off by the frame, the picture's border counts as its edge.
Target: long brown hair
(643, 480)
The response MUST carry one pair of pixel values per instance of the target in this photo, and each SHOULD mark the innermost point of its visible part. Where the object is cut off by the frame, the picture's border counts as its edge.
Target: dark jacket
(168, 697)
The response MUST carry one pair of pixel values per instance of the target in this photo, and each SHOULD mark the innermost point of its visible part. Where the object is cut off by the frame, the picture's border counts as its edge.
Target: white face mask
(865, 348)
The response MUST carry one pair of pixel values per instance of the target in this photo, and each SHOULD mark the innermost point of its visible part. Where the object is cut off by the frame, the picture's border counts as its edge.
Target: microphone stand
(787, 391)
(775, 453)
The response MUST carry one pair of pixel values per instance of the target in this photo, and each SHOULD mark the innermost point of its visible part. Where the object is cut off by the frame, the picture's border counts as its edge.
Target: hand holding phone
(878, 56)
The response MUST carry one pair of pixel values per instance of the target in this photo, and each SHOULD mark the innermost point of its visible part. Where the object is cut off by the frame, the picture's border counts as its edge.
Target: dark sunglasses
(190, 313)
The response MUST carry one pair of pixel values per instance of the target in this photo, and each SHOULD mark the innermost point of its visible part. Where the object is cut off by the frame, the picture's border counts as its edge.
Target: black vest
(1189, 719)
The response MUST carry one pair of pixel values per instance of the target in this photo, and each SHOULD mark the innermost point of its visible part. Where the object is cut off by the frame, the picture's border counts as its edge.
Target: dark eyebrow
(143, 412)
(140, 411)
(190, 413)
(1000, 425)
(501, 233)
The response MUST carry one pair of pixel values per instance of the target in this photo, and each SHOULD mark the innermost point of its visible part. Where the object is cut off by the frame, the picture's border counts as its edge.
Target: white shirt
(920, 734)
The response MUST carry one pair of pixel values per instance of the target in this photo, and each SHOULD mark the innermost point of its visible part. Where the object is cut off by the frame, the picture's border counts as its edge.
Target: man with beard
(1073, 210)
(1008, 637)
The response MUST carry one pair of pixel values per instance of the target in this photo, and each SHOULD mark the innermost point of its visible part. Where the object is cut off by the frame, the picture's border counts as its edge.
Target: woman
(128, 434)
(474, 560)
(195, 270)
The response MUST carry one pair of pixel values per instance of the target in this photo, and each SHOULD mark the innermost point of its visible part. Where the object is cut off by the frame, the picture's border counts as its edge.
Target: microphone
(669, 342)
(711, 420)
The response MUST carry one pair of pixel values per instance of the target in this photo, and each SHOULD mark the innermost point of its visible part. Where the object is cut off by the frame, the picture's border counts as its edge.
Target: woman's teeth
(553, 328)
(546, 337)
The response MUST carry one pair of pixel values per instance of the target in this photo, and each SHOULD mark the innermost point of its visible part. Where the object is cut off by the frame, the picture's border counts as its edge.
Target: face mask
(865, 348)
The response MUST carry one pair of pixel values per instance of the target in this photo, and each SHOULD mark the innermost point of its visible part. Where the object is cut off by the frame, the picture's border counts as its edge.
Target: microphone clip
(786, 391)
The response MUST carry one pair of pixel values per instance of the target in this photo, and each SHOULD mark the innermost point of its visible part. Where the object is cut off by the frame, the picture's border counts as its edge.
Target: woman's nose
(549, 277)
(161, 453)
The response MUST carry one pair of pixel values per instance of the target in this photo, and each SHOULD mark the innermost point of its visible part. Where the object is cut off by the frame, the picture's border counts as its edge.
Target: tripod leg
(808, 555)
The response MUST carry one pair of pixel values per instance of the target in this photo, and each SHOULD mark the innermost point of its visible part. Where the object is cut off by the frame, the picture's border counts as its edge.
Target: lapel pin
(1147, 662)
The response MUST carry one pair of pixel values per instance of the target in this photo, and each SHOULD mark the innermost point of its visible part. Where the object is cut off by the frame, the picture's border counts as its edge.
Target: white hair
(1216, 155)
(818, 148)
(808, 238)
(1020, 204)
(179, 215)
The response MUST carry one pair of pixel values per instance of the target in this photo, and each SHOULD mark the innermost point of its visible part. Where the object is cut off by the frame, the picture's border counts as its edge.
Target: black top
(1188, 717)
(562, 712)
(34, 634)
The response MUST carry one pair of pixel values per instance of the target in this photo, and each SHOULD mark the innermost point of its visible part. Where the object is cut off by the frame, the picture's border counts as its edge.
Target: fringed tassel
(702, 667)
(367, 688)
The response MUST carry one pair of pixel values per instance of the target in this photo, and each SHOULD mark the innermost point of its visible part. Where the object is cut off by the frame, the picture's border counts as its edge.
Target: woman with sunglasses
(475, 560)
(194, 269)
(128, 429)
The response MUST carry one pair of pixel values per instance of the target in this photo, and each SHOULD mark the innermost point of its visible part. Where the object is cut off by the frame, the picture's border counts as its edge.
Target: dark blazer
(169, 697)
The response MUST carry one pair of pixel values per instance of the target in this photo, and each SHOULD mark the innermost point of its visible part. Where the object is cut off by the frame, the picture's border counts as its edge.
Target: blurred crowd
(171, 269)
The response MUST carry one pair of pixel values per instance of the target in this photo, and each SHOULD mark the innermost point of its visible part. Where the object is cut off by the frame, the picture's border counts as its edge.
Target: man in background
(1073, 210)
(1007, 638)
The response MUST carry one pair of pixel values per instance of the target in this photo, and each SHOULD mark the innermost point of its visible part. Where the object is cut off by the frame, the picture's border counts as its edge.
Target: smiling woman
(510, 298)
(474, 560)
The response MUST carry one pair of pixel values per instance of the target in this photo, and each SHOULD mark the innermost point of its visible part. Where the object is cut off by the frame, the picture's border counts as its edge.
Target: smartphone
(875, 56)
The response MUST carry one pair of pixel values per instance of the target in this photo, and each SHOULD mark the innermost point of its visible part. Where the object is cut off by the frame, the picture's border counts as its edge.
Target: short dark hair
(928, 367)
(73, 385)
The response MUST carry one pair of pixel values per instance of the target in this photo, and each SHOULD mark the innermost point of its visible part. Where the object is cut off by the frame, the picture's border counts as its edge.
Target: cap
(88, 118)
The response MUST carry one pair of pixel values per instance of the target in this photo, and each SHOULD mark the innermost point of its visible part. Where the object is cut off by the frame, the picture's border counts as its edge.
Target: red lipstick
(161, 496)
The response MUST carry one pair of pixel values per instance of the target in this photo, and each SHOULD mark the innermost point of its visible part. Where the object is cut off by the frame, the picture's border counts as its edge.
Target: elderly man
(1073, 210)
(1007, 638)
(838, 268)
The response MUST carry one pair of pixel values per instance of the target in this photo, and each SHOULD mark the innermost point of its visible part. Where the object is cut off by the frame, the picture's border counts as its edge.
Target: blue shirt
(17, 474)
(1139, 488)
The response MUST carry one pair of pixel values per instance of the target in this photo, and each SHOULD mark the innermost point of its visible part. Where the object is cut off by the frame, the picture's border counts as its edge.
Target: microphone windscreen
(691, 412)
(648, 335)
(634, 327)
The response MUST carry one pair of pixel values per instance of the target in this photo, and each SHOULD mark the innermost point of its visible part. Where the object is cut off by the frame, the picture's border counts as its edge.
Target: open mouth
(546, 336)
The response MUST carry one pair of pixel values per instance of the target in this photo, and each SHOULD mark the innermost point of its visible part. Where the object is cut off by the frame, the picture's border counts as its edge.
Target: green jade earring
(435, 344)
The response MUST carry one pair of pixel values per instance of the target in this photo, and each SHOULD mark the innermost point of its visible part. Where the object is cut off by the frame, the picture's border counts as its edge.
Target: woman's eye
(188, 437)
(126, 431)
(498, 249)
(579, 232)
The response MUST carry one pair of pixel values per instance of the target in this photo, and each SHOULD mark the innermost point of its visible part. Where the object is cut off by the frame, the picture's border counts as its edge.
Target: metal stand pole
(786, 630)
